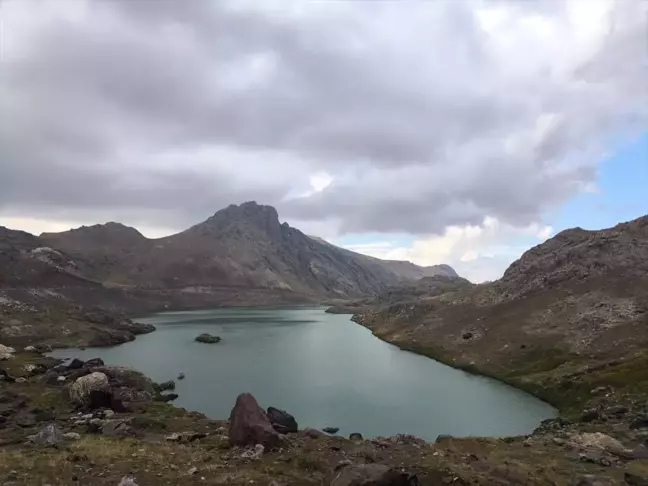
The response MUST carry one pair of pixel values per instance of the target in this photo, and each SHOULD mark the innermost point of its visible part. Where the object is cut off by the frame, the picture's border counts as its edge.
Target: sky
(438, 132)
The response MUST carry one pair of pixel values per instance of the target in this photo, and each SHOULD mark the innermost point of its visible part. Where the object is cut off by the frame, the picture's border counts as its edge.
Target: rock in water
(75, 364)
(49, 436)
(282, 421)
(167, 385)
(331, 430)
(208, 338)
(371, 475)
(90, 390)
(249, 424)
(181, 376)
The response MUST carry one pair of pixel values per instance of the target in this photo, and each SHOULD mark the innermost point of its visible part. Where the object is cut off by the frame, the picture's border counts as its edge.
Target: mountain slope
(240, 246)
(567, 309)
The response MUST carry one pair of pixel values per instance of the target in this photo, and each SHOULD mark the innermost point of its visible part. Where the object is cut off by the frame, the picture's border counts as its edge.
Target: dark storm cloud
(421, 115)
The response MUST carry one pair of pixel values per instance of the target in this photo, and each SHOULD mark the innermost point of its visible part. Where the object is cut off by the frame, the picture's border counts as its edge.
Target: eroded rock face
(371, 475)
(249, 424)
(282, 421)
(89, 390)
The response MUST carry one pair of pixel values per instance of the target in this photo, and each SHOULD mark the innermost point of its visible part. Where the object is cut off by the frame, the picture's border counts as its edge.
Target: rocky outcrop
(282, 421)
(249, 424)
(49, 436)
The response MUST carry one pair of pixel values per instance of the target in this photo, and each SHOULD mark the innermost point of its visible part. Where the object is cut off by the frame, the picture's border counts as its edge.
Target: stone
(71, 436)
(467, 335)
(192, 471)
(108, 413)
(30, 349)
(590, 415)
(6, 352)
(600, 441)
(60, 379)
(91, 363)
(314, 433)
(442, 437)
(249, 424)
(591, 480)
(254, 454)
(640, 452)
(371, 475)
(75, 364)
(355, 436)
(117, 428)
(208, 338)
(21, 380)
(49, 436)
(167, 385)
(167, 397)
(633, 479)
(282, 421)
(181, 376)
(91, 391)
(331, 430)
(127, 481)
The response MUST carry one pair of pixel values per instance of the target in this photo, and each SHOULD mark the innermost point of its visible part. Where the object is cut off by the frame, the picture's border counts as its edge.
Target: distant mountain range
(241, 246)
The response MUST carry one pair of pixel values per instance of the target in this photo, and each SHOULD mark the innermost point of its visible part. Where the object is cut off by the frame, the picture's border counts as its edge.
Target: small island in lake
(208, 338)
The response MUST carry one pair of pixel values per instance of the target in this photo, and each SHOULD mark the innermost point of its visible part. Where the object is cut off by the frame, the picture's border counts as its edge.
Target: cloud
(382, 117)
(477, 252)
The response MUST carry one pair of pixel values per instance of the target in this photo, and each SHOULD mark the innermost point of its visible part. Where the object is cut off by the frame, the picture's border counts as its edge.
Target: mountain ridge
(240, 246)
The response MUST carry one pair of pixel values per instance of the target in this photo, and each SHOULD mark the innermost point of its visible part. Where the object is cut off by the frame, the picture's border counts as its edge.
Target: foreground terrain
(567, 322)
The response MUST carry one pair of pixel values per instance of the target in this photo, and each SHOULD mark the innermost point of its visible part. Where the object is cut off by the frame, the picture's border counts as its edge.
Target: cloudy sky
(439, 132)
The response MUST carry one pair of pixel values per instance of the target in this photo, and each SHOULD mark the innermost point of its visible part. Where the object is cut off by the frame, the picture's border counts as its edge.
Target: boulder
(442, 437)
(282, 421)
(49, 436)
(94, 362)
(75, 364)
(249, 424)
(355, 436)
(331, 430)
(167, 385)
(314, 433)
(91, 391)
(118, 428)
(167, 397)
(71, 436)
(208, 338)
(371, 475)
(30, 349)
(6, 352)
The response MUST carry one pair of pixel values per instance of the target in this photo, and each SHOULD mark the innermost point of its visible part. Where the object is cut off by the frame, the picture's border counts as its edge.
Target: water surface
(322, 368)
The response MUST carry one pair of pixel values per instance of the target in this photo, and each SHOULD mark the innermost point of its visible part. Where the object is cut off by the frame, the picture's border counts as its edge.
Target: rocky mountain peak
(245, 215)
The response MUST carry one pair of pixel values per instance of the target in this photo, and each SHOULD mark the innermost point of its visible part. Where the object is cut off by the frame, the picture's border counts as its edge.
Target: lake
(322, 368)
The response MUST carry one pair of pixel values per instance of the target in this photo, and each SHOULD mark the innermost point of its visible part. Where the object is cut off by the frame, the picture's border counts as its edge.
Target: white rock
(30, 367)
(127, 481)
(255, 453)
(108, 413)
(71, 436)
(82, 388)
(21, 380)
(30, 349)
(61, 378)
(6, 352)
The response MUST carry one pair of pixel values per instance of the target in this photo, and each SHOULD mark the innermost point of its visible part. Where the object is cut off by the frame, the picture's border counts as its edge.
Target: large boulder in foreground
(91, 391)
(282, 421)
(371, 475)
(249, 424)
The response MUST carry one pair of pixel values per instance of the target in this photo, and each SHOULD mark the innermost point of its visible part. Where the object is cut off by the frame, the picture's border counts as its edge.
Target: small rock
(75, 364)
(108, 413)
(71, 436)
(208, 338)
(167, 397)
(60, 378)
(343, 463)
(371, 474)
(467, 335)
(255, 453)
(21, 380)
(49, 436)
(590, 415)
(175, 437)
(192, 471)
(633, 479)
(331, 430)
(313, 433)
(173, 467)
(167, 385)
(94, 362)
(282, 421)
(355, 436)
(442, 437)
(30, 349)
(116, 428)
(181, 376)
(591, 480)
(127, 481)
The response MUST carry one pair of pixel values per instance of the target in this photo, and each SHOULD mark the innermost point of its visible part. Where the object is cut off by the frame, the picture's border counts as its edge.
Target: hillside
(241, 246)
(570, 307)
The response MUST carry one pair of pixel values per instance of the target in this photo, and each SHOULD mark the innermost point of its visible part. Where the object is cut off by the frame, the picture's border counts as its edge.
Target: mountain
(566, 310)
(241, 246)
